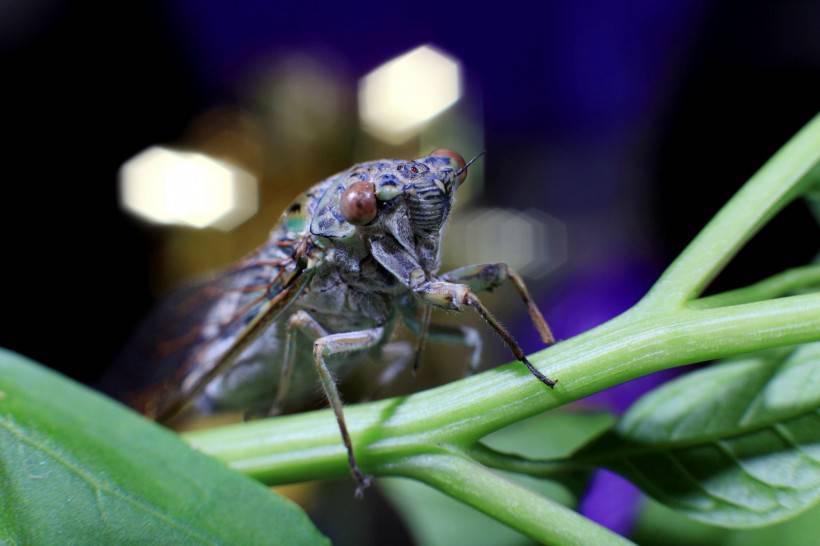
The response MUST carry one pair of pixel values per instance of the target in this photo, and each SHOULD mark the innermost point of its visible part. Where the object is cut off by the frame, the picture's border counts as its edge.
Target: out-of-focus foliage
(78, 468)
(734, 445)
(662, 526)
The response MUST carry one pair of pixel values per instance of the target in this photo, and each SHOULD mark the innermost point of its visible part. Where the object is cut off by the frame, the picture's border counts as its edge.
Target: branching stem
(307, 446)
(542, 519)
(787, 282)
(788, 174)
(433, 436)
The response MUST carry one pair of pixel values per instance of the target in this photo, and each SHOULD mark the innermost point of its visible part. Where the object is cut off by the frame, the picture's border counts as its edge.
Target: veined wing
(193, 335)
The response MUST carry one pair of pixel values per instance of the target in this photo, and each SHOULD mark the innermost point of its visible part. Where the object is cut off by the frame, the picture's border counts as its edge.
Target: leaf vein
(141, 505)
(784, 434)
(745, 471)
(692, 479)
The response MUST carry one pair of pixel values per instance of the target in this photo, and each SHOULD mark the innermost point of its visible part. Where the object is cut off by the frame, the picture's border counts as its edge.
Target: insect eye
(455, 158)
(358, 203)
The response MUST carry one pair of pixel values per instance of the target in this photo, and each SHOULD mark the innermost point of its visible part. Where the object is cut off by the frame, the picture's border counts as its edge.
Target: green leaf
(661, 526)
(733, 445)
(78, 468)
(658, 525)
(567, 431)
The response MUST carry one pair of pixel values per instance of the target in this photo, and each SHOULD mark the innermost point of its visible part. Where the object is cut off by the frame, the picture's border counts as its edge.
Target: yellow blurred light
(185, 188)
(399, 97)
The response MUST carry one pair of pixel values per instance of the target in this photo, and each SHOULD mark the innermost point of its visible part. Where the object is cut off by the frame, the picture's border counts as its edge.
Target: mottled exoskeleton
(348, 259)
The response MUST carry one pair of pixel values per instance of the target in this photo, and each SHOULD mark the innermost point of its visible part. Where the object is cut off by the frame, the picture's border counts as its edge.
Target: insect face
(408, 200)
(426, 187)
(416, 214)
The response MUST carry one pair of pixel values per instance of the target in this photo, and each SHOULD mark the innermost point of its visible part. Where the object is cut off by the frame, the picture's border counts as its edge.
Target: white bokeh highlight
(399, 97)
(167, 186)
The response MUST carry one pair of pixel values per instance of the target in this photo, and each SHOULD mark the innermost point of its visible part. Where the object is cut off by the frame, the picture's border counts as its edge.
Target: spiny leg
(481, 277)
(454, 296)
(336, 344)
(300, 321)
(473, 301)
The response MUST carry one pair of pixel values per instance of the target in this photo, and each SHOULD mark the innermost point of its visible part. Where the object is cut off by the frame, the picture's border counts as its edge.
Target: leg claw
(363, 483)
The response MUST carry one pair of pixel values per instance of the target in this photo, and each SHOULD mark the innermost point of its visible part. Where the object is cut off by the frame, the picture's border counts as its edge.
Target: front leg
(454, 297)
(481, 277)
(447, 295)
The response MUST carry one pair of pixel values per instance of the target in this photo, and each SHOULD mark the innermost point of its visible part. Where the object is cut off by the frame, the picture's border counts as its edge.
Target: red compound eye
(457, 159)
(358, 203)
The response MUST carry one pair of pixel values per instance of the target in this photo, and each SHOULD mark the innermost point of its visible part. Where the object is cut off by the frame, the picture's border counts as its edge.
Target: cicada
(349, 258)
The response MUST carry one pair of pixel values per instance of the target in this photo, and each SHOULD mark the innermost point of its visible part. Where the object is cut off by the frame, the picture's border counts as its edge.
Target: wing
(180, 347)
(196, 333)
(252, 321)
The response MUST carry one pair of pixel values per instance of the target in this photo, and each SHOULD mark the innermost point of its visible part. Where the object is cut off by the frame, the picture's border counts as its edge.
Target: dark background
(632, 122)
(699, 94)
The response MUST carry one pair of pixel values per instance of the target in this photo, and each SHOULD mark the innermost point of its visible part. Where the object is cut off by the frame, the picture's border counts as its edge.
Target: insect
(348, 259)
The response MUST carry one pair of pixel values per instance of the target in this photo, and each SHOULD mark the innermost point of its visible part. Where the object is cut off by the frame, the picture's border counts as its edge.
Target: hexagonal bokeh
(168, 186)
(400, 96)
(530, 241)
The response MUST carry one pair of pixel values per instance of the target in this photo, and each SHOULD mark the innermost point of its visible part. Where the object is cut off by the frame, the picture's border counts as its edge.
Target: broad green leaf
(567, 431)
(78, 468)
(734, 445)
(661, 526)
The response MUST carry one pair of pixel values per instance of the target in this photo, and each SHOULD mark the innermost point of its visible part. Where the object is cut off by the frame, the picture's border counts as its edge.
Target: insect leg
(300, 321)
(337, 344)
(448, 295)
(421, 332)
(463, 336)
(481, 277)
(453, 296)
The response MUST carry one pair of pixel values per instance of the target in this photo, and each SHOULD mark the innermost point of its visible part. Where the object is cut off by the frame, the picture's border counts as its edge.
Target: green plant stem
(793, 169)
(793, 280)
(307, 446)
(538, 517)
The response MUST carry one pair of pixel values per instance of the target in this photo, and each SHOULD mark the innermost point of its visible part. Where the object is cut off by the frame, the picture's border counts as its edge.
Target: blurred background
(151, 142)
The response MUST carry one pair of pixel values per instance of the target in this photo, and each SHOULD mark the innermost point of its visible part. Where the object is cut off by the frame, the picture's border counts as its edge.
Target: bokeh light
(399, 97)
(168, 186)
(531, 242)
